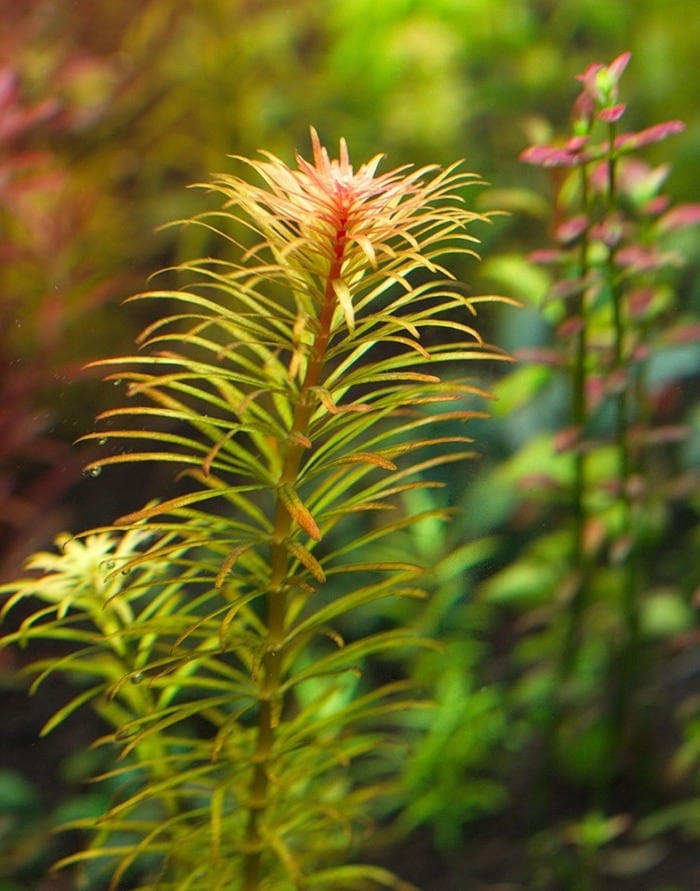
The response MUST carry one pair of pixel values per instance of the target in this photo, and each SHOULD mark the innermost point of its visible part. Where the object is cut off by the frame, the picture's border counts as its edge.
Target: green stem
(565, 659)
(271, 703)
(628, 659)
(580, 418)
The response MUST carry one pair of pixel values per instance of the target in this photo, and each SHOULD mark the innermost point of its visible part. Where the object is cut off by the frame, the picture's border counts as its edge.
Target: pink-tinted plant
(35, 467)
(59, 270)
(616, 318)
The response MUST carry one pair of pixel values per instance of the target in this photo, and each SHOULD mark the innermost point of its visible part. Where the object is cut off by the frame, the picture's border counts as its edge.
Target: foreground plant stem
(271, 701)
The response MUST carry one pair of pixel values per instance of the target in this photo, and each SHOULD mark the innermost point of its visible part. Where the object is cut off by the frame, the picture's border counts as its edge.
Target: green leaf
(356, 877)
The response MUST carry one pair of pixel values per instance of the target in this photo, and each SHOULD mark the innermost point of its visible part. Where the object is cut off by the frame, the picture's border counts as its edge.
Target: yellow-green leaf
(342, 292)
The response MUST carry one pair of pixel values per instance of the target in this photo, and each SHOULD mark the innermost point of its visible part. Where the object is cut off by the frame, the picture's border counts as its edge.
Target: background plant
(599, 593)
(286, 387)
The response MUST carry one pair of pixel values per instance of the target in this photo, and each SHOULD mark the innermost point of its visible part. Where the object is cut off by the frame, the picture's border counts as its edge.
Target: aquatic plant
(309, 375)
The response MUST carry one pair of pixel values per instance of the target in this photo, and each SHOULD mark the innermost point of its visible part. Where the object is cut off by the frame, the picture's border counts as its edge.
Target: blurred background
(109, 110)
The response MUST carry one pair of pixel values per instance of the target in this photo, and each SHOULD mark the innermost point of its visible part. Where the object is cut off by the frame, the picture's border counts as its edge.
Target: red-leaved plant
(601, 584)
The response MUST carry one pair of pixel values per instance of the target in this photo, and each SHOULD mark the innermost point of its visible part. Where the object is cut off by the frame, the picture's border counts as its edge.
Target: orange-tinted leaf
(368, 458)
(304, 556)
(230, 562)
(298, 511)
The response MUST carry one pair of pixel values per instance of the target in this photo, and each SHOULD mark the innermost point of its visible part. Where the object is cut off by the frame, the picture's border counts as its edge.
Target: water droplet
(109, 565)
(117, 382)
(103, 441)
(126, 570)
(136, 678)
(92, 471)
